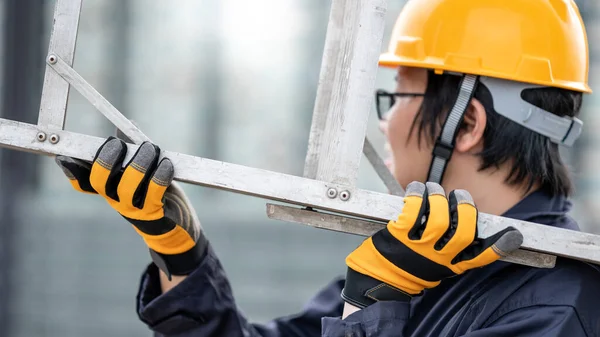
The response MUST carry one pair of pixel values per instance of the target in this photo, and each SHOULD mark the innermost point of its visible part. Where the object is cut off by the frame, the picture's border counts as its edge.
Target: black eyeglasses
(385, 100)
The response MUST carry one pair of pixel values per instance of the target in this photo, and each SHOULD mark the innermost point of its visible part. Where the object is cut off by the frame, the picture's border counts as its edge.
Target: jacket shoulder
(570, 283)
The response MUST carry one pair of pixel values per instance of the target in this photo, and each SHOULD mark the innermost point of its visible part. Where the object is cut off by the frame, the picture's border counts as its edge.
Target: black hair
(532, 157)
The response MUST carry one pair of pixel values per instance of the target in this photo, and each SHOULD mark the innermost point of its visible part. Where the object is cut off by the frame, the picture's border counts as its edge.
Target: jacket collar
(543, 208)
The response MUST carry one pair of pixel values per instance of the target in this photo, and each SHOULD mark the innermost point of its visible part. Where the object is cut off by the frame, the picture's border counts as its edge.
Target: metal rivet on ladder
(41, 136)
(345, 195)
(332, 193)
(54, 139)
(52, 59)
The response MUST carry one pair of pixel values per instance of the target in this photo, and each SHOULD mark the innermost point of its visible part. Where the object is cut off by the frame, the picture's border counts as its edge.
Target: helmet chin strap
(444, 145)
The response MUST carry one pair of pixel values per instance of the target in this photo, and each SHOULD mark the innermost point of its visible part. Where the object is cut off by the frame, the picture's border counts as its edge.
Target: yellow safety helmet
(542, 42)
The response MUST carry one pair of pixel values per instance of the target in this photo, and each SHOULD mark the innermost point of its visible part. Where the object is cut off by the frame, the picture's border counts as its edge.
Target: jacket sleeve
(389, 319)
(377, 320)
(538, 321)
(203, 306)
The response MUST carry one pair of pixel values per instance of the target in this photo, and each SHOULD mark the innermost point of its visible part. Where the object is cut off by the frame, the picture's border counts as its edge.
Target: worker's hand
(144, 193)
(433, 238)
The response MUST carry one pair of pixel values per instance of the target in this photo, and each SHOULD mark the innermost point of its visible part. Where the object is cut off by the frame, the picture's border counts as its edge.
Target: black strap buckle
(442, 149)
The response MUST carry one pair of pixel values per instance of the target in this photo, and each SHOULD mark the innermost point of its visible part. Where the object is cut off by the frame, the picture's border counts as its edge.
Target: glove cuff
(181, 264)
(361, 290)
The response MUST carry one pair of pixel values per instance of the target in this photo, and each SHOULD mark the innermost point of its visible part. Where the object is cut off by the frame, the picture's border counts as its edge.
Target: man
(485, 92)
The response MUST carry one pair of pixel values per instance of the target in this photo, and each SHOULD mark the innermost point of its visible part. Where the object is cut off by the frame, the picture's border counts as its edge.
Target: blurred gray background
(231, 80)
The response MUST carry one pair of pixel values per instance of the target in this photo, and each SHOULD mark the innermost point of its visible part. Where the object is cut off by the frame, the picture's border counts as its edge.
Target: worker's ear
(470, 135)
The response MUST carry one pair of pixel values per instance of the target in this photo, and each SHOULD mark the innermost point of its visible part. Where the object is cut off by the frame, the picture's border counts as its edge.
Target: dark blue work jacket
(501, 299)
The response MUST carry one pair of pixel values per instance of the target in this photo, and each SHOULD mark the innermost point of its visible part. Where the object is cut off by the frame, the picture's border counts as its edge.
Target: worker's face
(407, 160)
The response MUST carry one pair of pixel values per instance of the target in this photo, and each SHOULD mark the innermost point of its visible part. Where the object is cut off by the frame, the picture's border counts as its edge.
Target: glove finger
(413, 217)
(463, 224)
(489, 250)
(161, 179)
(78, 173)
(438, 218)
(134, 182)
(181, 237)
(107, 168)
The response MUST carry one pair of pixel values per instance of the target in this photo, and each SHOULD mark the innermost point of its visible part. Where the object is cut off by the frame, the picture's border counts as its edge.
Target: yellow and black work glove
(433, 238)
(143, 192)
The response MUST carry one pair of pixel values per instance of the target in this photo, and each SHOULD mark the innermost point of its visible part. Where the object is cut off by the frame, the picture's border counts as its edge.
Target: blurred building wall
(229, 80)
(585, 157)
(22, 71)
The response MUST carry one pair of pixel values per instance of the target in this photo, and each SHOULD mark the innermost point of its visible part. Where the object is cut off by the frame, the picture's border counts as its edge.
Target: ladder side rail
(55, 90)
(345, 91)
(297, 190)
